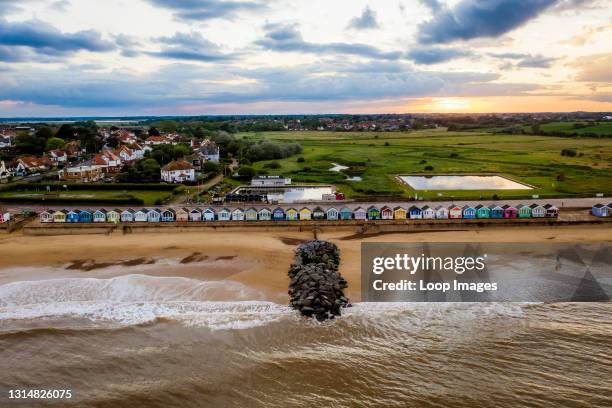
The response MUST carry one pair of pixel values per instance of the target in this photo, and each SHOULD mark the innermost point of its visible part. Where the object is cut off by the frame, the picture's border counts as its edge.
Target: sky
(200, 57)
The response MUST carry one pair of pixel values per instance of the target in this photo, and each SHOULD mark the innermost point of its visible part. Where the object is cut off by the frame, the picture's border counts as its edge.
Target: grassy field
(379, 157)
(601, 128)
(148, 197)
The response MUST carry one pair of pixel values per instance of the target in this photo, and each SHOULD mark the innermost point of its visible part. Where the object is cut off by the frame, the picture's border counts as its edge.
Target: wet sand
(257, 259)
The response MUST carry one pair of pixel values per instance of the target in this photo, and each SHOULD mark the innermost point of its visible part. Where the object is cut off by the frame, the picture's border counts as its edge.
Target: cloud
(208, 9)
(37, 37)
(434, 55)
(594, 68)
(60, 5)
(366, 21)
(189, 46)
(433, 5)
(471, 19)
(586, 35)
(286, 38)
(525, 60)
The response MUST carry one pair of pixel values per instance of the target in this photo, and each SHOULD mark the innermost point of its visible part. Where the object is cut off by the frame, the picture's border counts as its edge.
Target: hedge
(95, 186)
(70, 201)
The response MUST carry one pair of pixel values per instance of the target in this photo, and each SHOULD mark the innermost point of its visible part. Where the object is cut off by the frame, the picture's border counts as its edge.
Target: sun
(450, 104)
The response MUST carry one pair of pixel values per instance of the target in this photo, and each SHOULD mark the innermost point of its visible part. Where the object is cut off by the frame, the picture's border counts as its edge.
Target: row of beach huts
(295, 214)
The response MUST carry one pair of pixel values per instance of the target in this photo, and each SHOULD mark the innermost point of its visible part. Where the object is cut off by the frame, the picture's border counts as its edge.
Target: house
(318, 214)
(468, 212)
(113, 216)
(208, 214)
(386, 213)
(537, 211)
(278, 214)
(58, 156)
(455, 212)
(4, 172)
(332, 214)
(208, 151)
(85, 216)
(60, 216)
(496, 211)
(178, 171)
(292, 214)
(251, 214)
(154, 215)
(141, 215)
(195, 215)
(509, 211)
(600, 210)
(373, 213)
(5, 142)
(168, 215)
(157, 140)
(265, 214)
(84, 172)
(107, 161)
(99, 216)
(72, 216)
(360, 214)
(428, 212)
(31, 164)
(346, 213)
(415, 213)
(238, 214)
(523, 211)
(305, 214)
(441, 212)
(400, 213)
(127, 215)
(551, 211)
(224, 214)
(270, 181)
(482, 211)
(46, 216)
(125, 154)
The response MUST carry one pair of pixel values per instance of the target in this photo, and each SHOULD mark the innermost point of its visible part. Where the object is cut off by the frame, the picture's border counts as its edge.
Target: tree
(44, 132)
(146, 170)
(246, 172)
(211, 167)
(66, 132)
(30, 144)
(54, 143)
(153, 131)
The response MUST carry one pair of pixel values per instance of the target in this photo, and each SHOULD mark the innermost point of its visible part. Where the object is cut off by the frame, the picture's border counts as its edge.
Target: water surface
(462, 183)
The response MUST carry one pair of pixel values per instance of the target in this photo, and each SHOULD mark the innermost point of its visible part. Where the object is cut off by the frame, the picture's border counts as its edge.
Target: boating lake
(449, 182)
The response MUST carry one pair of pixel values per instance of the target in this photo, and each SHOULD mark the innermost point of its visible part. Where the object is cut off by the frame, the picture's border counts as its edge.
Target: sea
(144, 341)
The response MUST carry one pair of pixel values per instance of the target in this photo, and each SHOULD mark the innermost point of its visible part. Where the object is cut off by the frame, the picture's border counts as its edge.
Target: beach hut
(278, 214)
(127, 215)
(195, 215)
(238, 214)
(182, 215)
(551, 211)
(537, 211)
(415, 213)
(141, 215)
(455, 212)
(208, 214)
(523, 211)
(72, 216)
(224, 214)
(305, 214)
(600, 210)
(346, 213)
(251, 214)
(154, 215)
(360, 214)
(292, 214)
(168, 215)
(332, 213)
(510, 211)
(5, 217)
(482, 211)
(113, 216)
(99, 215)
(45, 216)
(428, 212)
(400, 213)
(373, 213)
(496, 211)
(468, 212)
(441, 212)
(386, 213)
(265, 214)
(318, 214)
(60, 216)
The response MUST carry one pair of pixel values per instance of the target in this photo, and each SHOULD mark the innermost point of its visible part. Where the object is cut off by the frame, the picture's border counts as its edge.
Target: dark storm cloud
(471, 19)
(207, 9)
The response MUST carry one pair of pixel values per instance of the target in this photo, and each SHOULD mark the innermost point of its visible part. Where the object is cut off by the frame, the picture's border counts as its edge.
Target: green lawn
(379, 157)
(149, 197)
(601, 128)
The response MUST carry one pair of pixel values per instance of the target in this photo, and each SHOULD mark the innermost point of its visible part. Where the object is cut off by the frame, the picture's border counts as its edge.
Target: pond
(449, 182)
(288, 195)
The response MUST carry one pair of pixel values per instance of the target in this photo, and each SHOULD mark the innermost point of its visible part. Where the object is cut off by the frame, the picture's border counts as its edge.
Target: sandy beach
(256, 259)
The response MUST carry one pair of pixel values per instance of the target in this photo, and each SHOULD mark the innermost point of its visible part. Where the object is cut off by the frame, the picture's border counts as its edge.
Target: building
(360, 213)
(332, 213)
(157, 140)
(400, 213)
(551, 211)
(208, 214)
(346, 213)
(251, 214)
(537, 211)
(84, 172)
(428, 212)
(265, 214)
(278, 214)
(510, 212)
(178, 171)
(31, 164)
(455, 212)
(195, 215)
(482, 211)
(441, 212)
(496, 211)
(305, 214)
(292, 214)
(318, 214)
(386, 213)
(415, 213)
(57, 156)
(600, 210)
(524, 211)
(469, 212)
(270, 181)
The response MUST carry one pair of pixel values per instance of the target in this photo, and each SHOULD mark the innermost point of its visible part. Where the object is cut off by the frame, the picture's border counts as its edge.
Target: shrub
(301, 160)
(454, 155)
(423, 162)
(429, 168)
(568, 152)
(272, 165)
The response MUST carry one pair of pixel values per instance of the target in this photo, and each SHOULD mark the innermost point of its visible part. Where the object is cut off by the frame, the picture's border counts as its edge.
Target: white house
(270, 181)
(178, 171)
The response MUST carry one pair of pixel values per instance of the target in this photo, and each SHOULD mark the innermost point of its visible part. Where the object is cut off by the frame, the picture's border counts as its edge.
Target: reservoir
(454, 182)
